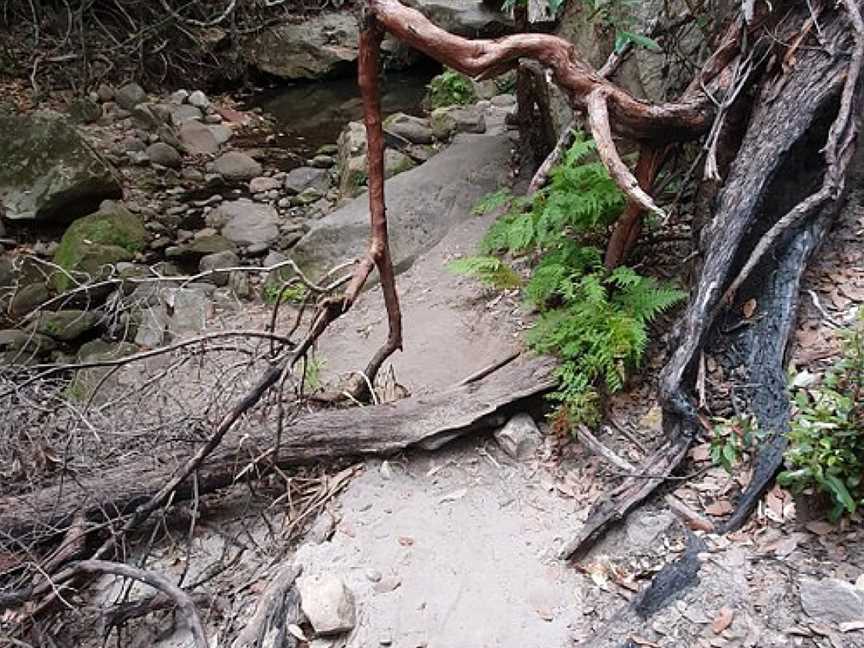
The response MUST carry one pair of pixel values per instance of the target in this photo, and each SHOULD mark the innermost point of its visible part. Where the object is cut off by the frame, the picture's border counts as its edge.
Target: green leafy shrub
(293, 294)
(733, 439)
(594, 320)
(826, 451)
(450, 88)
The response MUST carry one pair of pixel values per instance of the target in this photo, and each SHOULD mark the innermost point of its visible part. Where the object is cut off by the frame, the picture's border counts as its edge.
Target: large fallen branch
(427, 421)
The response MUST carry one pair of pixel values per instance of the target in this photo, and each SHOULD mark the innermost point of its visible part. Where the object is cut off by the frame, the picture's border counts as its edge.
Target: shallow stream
(310, 115)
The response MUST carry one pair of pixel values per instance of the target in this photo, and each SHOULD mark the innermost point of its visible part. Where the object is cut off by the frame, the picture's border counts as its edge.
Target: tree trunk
(424, 421)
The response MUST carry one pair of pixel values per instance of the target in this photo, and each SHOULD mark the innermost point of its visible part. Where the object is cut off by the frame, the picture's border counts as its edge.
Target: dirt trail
(463, 542)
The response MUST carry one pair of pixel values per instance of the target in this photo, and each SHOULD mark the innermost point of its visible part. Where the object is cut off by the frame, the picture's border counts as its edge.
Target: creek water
(310, 115)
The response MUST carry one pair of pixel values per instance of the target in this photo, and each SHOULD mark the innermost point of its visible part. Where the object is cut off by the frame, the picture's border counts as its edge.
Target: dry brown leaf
(723, 620)
(718, 508)
(820, 527)
(748, 308)
(701, 452)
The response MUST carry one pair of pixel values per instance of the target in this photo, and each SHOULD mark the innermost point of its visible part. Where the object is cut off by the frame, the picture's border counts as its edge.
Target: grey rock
(199, 100)
(179, 97)
(422, 204)
(352, 163)
(327, 603)
(239, 284)
(504, 101)
(273, 258)
(86, 381)
(201, 247)
(414, 129)
(246, 222)
(67, 325)
(306, 197)
(221, 133)
(226, 259)
(185, 113)
(164, 154)
(145, 116)
(257, 249)
(304, 177)
(49, 173)
(193, 175)
(457, 119)
(170, 312)
(132, 143)
(263, 183)
(520, 437)
(25, 342)
(472, 18)
(319, 46)
(105, 93)
(198, 139)
(235, 165)
(29, 298)
(327, 149)
(130, 95)
(322, 161)
(644, 527)
(831, 600)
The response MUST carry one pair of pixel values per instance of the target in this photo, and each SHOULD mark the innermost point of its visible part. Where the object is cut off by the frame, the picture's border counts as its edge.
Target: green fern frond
(488, 269)
(491, 202)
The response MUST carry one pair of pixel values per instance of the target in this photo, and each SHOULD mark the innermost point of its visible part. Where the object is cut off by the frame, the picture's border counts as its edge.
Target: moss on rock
(110, 235)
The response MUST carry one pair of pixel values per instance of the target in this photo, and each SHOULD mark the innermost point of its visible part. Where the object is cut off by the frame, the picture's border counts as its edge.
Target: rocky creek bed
(136, 220)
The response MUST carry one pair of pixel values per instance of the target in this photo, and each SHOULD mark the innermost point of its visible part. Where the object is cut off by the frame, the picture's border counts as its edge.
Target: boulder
(110, 235)
(327, 603)
(320, 46)
(49, 173)
(164, 154)
(235, 165)
(831, 600)
(129, 96)
(225, 259)
(472, 18)
(198, 139)
(304, 177)
(66, 325)
(520, 437)
(457, 119)
(422, 205)
(244, 222)
(416, 130)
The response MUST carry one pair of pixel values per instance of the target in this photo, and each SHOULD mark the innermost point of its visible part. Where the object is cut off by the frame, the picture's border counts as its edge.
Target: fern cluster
(594, 320)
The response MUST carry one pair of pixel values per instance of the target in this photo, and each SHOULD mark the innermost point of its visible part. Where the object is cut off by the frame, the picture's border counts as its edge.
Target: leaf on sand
(718, 508)
(723, 620)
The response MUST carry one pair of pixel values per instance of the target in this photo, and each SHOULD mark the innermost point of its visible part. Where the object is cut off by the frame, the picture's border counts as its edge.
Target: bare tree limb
(185, 605)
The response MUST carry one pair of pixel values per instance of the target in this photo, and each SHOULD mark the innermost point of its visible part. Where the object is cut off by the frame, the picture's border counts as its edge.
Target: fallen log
(423, 421)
